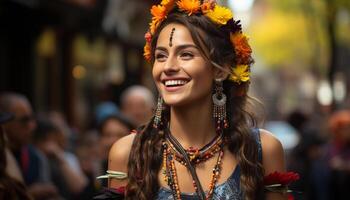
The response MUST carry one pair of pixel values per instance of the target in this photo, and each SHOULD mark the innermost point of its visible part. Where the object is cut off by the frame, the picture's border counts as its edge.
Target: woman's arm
(118, 159)
(273, 160)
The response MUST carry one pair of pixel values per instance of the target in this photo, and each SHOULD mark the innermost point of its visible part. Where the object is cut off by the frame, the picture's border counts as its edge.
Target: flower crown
(219, 15)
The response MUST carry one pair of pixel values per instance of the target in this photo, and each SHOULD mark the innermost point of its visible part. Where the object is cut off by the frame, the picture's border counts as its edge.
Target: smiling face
(181, 73)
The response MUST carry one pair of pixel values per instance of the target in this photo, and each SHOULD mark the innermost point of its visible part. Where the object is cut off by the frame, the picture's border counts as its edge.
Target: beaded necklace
(198, 155)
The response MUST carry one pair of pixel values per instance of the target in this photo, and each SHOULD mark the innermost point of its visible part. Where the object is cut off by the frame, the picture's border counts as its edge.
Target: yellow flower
(220, 15)
(240, 73)
(147, 51)
(189, 6)
(165, 2)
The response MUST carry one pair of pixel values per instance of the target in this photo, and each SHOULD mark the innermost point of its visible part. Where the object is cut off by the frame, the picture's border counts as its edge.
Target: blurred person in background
(68, 136)
(112, 125)
(299, 120)
(111, 128)
(11, 181)
(88, 153)
(65, 169)
(308, 159)
(339, 154)
(137, 103)
(32, 163)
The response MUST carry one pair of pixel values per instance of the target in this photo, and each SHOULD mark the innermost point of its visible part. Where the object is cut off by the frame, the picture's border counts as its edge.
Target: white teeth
(175, 82)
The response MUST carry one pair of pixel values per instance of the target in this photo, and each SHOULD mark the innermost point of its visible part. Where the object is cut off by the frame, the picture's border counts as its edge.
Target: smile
(174, 83)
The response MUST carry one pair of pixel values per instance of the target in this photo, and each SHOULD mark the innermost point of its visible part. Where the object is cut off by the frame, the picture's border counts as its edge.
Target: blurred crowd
(43, 158)
(321, 156)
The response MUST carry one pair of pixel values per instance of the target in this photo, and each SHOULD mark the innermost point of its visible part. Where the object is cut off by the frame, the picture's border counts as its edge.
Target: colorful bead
(199, 155)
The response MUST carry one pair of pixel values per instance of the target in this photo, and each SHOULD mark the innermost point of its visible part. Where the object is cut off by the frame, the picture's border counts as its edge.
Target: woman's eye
(187, 55)
(160, 57)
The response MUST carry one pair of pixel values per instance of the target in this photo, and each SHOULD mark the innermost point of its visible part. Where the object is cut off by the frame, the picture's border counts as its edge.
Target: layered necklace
(195, 156)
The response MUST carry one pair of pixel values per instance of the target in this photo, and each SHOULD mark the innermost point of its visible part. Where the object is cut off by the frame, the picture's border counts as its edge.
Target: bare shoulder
(119, 153)
(273, 154)
(118, 159)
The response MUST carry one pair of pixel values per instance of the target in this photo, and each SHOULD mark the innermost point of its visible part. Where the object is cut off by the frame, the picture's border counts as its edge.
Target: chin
(173, 101)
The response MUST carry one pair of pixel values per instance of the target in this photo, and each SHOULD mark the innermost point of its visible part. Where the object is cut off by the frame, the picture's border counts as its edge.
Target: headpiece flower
(147, 51)
(219, 15)
(168, 4)
(240, 73)
(189, 6)
(207, 6)
(159, 13)
(242, 48)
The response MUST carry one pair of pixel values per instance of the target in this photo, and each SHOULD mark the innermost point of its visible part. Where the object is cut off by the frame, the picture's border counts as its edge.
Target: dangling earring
(158, 114)
(219, 112)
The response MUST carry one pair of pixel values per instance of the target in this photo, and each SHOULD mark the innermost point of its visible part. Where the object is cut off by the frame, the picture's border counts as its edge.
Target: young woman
(202, 142)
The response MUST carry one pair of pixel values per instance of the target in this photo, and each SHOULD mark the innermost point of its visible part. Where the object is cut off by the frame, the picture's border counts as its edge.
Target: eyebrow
(177, 48)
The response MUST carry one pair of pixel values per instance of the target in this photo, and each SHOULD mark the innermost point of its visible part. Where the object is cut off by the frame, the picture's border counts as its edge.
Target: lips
(172, 85)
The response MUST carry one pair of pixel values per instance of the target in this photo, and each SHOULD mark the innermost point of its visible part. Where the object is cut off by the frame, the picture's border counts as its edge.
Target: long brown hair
(145, 157)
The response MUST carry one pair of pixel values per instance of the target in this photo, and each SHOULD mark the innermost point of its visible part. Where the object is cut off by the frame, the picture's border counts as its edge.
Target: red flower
(281, 178)
(148, 37)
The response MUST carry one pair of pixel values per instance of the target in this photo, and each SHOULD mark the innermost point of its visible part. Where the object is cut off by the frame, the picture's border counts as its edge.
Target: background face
(19, 130)
(137, 109)
(180, 72)
(113, 130)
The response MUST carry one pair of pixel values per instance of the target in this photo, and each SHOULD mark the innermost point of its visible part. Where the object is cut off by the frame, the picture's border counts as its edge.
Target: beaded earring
(158, 115)
(219, 104)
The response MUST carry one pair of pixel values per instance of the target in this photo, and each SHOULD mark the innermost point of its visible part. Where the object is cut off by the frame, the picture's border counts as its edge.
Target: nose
(171, 65)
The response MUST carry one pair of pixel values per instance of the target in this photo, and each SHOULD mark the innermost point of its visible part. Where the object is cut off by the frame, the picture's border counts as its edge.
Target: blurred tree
(311, 30)
(303, 36)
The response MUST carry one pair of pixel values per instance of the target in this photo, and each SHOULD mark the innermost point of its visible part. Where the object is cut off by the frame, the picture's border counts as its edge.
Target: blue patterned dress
(229, 190)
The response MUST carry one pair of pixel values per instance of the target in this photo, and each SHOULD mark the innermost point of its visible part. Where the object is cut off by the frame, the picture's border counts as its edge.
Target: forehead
(20, 107)
(181, 35)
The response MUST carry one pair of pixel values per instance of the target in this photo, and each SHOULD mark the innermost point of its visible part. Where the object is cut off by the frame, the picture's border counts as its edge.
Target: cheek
(156, 72)
(201, 75)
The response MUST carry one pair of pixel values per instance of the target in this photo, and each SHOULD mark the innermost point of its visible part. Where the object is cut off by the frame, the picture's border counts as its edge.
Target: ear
(221, 73)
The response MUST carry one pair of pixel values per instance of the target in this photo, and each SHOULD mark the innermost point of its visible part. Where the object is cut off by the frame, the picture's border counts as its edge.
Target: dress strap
(256, 134)
(114, 174)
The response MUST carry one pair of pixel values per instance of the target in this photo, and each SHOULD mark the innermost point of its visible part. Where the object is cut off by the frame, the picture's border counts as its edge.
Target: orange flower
(242, 48)
(189, 6)
(153, 26)
(158, 12)
(207, 6)
(168, 4)
(147, 51)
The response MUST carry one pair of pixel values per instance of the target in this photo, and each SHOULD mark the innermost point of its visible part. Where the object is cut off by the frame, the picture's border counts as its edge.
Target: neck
(192, 125)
